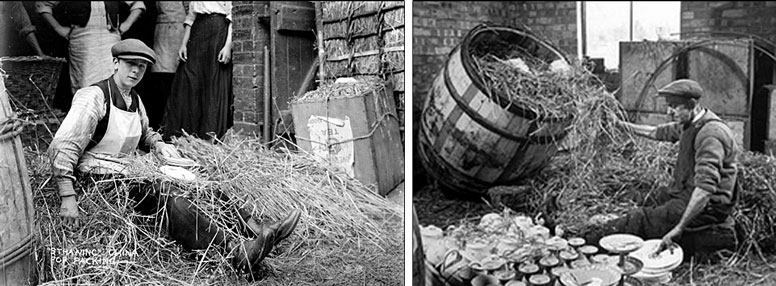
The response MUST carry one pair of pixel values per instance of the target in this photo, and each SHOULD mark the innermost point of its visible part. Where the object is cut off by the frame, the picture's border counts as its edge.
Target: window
(608, 23)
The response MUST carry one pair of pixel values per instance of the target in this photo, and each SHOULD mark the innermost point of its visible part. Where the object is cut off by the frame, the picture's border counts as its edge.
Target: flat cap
(133, 49)
(685, 88)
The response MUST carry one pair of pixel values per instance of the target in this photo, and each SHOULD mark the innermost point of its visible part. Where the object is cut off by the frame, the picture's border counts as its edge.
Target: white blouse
(208, 7)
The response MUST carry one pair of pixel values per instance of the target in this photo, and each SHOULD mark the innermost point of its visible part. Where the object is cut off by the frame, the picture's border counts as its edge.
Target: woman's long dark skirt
(201, 101)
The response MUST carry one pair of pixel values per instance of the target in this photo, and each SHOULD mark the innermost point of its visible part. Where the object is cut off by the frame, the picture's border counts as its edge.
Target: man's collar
(700, 115)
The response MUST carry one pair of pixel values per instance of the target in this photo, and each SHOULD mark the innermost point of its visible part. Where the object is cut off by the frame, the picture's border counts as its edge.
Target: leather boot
(247, 255)
(280, 229)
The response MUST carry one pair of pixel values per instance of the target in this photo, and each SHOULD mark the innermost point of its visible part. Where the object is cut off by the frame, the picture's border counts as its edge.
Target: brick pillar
(249, 36)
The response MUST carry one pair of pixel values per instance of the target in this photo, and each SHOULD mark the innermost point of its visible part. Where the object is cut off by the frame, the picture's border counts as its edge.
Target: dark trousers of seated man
(659, 214)
(184, 221)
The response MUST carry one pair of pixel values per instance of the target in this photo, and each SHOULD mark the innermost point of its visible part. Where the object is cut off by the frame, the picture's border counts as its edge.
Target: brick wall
(553, 21)
(249, 38)
(437, 27)
(751, 17)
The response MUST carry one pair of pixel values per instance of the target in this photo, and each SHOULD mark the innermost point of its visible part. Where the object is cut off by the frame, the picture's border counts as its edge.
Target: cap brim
(135, 57)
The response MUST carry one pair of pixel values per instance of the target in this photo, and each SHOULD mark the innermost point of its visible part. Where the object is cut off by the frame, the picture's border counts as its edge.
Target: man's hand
(124, 27)
(668, 241)
(166, 150)
(68, 210)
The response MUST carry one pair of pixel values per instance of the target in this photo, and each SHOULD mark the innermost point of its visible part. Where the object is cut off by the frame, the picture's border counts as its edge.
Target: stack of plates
(621, 243)
(657, 268)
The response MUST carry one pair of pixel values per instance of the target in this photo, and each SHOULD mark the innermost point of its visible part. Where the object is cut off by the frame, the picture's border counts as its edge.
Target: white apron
(89, 48)
(121, 138)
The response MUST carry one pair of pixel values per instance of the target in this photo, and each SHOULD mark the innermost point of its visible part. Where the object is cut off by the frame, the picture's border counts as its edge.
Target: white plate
(178, 173)
(665, 261)
(180, 162)
(621, 243)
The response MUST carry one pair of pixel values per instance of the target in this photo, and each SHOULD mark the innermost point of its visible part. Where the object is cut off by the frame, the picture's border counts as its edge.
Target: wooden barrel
(469, 142)
(16, 212)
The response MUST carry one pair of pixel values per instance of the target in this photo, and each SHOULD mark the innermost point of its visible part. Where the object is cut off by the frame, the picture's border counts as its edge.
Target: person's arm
(709, 155)
(45, 9)
(643, 130)
(182, 52)
(23, 25)
(698, 201)
(136, 8)
(34, 43)
(70, 142)
(225, 55)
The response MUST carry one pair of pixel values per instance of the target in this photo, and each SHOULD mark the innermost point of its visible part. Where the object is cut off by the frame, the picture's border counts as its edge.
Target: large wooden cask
(16, 211)
(469, 142)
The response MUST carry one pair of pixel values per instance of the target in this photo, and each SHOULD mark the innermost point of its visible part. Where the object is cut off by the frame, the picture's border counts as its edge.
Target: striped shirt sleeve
(73, 135)
(77, 129)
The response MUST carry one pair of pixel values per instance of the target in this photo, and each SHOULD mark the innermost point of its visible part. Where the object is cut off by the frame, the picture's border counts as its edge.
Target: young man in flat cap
(108, 121)
(703, 192)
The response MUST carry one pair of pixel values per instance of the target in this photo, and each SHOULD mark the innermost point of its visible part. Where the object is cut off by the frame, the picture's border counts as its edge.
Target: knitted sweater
(707, 159)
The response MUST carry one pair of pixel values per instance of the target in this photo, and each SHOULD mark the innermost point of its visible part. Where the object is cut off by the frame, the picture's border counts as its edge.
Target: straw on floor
(347, 235)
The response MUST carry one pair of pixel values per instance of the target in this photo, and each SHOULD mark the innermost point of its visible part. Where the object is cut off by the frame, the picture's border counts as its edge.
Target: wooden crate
(377, 158)
(364, 40)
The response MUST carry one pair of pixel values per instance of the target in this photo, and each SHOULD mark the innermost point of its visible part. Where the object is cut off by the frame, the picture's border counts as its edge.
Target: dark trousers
(186, 223)
(656, 217)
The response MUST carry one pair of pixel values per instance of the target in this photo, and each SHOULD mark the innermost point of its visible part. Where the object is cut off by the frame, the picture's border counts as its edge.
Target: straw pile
(512, 76)
(609, 171)
(347, 234)
(604, 169)
(341, 90)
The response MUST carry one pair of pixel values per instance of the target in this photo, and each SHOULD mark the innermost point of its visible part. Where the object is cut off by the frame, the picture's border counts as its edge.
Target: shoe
(280, 229)
(247, 255)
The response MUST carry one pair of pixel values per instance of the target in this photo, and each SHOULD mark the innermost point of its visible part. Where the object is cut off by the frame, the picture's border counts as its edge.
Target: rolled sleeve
(228, 10)
(134, 5)
(20, 19)
(190, 16)
(75, 133)
(709, 154)
(45, 6)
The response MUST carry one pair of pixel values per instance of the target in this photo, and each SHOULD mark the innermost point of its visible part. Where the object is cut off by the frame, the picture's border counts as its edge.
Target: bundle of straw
(346, 232)
(546, 93)
(341, 90)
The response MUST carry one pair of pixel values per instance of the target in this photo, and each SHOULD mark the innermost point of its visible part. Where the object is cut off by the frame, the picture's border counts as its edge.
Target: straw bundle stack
(364, 40)
(344, 226)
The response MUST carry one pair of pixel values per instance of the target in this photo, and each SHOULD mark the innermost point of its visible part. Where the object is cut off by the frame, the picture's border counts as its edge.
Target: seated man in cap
(107, 121)
(704, 190)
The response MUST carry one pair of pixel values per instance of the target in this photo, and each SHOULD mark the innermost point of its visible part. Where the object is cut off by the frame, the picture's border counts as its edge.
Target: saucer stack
(657, 269)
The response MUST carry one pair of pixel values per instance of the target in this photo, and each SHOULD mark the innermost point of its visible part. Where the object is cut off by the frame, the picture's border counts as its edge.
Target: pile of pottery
(502, 249)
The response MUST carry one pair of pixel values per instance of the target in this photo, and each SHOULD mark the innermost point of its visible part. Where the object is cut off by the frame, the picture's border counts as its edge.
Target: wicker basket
(31, 81)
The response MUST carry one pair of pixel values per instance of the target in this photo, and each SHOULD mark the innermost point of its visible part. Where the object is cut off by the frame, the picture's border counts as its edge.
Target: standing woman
(200, 103)
(91, 29)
